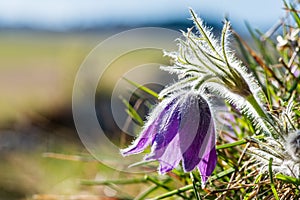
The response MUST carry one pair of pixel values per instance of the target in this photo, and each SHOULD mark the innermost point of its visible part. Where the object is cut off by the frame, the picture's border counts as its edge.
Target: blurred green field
(37, 69)
(38, 140)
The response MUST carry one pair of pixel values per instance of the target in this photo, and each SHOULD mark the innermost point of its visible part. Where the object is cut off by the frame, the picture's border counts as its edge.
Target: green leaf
(233, 144)
(294, 13)
(288, 179)
(132, 112)
(221, 174)
(143, 88)
(239, 142)
(297, 112)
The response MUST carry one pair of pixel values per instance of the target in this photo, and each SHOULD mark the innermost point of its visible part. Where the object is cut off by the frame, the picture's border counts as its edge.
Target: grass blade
(288, 179)
(272, 181)
(132, 112)
(143, 88)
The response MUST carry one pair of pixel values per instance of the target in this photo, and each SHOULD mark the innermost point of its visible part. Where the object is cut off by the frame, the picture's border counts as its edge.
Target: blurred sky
(64, 14)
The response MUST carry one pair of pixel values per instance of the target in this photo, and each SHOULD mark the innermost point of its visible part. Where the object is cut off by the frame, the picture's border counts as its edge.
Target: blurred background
(42, 45)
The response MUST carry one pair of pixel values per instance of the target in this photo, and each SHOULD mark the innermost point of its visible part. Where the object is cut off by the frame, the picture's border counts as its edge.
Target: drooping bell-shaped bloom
(180, 128)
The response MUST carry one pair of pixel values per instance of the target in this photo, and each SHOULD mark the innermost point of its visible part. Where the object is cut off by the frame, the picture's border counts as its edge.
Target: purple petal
(207, 165)
(148, 134)
(189, 122)
(142, 141)
(192, 157)
(208, 154)
(171, 157)
(166, 133)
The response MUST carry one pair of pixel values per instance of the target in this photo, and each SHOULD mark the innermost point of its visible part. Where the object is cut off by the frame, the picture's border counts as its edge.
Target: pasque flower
(203, 61)
(180, 128)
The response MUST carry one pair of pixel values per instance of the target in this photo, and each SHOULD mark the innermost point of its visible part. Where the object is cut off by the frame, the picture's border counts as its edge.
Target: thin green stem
(190, 187)
(157, 183)
(288, 179)
(257, 107)
(261, 113)
(175, 192)
(118, 182)
(195, 186)
(162, 185)
(271, 179)
(144, 194)
(233, 144)
(237, 143)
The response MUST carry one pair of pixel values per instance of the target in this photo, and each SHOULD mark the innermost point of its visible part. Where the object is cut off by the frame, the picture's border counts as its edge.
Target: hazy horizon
(65, 14)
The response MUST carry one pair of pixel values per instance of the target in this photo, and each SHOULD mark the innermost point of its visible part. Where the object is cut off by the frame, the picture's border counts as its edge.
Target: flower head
(201, 58)
(180, 128)
(203, 62)
(283, 151)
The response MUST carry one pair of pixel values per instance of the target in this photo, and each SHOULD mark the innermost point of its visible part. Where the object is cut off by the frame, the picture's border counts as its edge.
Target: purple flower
(180, 128)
